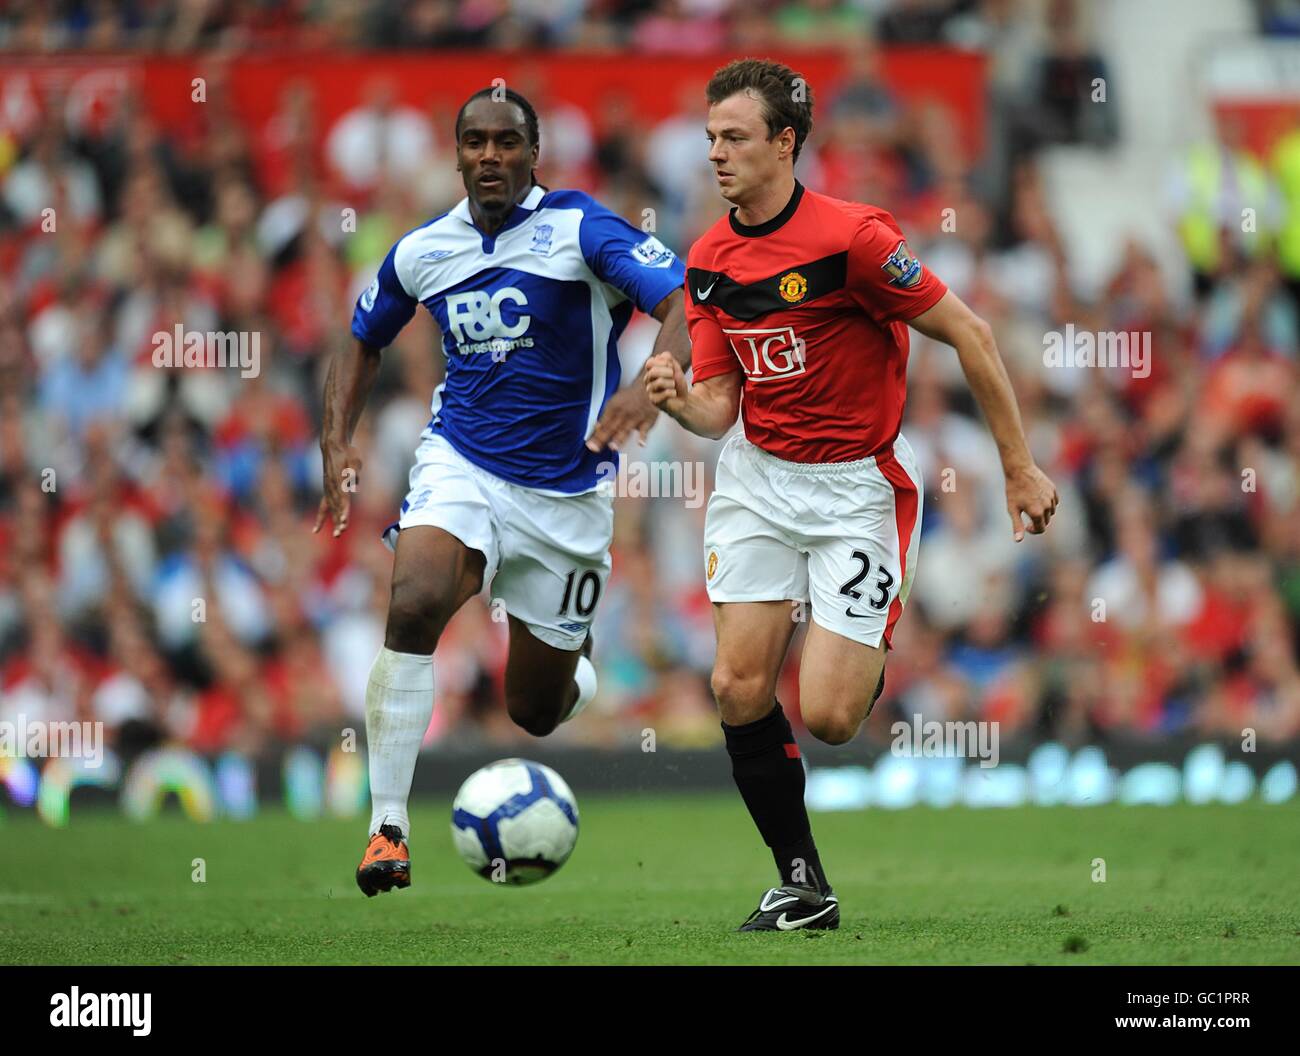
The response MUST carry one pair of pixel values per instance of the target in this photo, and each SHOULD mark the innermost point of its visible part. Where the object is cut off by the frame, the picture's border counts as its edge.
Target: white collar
(531, 201)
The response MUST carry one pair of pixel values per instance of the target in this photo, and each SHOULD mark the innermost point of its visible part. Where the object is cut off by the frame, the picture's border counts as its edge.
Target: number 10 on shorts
(586, 595)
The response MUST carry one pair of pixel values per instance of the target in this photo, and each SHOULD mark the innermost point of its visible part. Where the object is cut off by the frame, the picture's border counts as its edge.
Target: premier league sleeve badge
(903, 269)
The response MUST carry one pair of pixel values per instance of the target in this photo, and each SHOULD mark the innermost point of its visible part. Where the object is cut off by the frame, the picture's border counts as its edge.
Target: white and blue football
(514, 821)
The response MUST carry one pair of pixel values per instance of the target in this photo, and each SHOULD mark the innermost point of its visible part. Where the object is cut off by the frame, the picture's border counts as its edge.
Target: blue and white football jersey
(530, 321)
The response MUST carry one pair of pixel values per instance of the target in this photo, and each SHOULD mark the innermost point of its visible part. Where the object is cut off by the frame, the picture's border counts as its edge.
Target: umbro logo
(437, 254)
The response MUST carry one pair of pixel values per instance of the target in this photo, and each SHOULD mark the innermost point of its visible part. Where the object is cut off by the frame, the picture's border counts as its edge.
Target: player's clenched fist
(665, 383)
(1030, 493)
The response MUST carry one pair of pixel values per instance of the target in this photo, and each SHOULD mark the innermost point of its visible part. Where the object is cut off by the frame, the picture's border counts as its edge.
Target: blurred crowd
(680, 26)
(158, 569)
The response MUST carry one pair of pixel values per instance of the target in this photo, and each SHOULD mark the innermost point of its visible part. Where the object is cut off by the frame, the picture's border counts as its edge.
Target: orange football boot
(387, 863)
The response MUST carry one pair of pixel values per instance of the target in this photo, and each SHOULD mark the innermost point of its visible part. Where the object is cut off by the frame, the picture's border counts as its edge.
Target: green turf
(665, 880)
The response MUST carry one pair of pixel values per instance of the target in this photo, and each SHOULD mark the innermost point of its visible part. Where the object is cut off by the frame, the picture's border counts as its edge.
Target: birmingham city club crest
(542, 239)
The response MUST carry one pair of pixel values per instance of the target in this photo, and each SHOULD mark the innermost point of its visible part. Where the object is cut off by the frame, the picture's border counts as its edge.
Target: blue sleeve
(384, 308)
(636, 264)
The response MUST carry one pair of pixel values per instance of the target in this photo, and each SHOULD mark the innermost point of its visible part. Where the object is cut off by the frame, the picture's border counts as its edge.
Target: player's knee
(417, 613)
(741, 697)
(536, 715)
(832, 725)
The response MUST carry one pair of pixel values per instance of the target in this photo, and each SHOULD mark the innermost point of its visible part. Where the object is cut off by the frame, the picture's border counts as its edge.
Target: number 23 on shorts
(876, 594)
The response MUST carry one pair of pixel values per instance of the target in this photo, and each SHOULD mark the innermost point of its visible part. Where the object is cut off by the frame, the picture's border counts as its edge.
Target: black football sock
(768, 770)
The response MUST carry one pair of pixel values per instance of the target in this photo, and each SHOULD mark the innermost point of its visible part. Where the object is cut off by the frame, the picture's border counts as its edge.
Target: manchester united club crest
(793, 287)
(713, 564)
(902, 268)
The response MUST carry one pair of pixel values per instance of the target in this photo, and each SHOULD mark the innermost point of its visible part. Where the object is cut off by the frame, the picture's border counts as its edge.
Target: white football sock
(399, 705)
(585, 676)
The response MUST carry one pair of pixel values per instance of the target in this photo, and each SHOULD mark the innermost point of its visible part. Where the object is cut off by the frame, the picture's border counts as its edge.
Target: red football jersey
(812, 307)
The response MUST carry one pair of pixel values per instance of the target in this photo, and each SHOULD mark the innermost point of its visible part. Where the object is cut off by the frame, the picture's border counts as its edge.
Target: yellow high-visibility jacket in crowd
(1286, 171)
(1216, 195)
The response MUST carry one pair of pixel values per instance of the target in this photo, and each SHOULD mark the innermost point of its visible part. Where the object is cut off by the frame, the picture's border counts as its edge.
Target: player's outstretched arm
(1030, 493)
(708, 407)
(347, 386)
(629, 410)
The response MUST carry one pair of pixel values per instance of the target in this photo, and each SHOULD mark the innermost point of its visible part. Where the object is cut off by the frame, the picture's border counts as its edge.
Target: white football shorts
(842, 535)
(547, 554)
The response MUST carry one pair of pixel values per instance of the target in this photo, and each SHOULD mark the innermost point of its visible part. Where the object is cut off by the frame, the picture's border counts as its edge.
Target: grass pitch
(665, 880)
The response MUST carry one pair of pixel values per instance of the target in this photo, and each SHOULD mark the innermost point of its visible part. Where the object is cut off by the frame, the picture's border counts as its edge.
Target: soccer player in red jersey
(798, 307)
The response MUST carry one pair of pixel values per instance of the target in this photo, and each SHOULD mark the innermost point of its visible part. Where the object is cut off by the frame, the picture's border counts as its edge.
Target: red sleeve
(884, 276)
(711, 354)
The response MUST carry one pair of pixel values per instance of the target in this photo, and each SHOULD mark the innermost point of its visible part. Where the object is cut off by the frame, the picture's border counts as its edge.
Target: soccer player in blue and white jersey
(531, 289)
